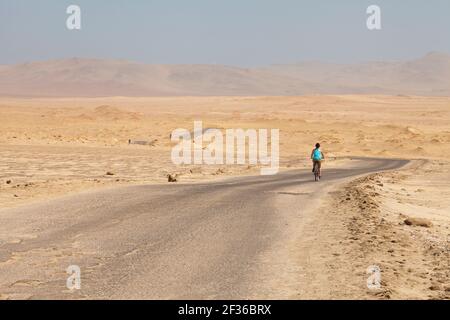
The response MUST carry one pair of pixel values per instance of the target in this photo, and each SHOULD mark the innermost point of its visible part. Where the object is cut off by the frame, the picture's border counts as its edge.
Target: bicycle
(316, 172)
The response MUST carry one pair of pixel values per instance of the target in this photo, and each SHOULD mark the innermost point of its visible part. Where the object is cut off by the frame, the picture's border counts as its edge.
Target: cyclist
(317, 157)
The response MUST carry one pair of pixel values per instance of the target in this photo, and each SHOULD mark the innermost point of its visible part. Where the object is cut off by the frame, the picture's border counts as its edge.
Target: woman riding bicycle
(317, 157)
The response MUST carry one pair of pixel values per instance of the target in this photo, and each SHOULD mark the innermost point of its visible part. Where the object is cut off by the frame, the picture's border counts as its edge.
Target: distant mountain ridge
(428, 75)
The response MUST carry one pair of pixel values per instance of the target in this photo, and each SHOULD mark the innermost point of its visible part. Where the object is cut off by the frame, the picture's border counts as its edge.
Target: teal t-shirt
(317, 154)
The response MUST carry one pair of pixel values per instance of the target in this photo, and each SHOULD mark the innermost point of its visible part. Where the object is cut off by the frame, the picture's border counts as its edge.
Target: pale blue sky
(233, 32)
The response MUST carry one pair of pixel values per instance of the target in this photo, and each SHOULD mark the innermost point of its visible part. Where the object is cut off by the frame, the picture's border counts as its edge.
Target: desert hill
(429, 75)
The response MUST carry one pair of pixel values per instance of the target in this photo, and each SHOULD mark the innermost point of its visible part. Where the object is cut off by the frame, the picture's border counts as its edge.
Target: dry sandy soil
(50, 147)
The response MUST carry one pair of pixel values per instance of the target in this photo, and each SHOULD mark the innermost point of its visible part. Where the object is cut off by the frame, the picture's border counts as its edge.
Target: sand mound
(384, 152)
(329, 139)
(105, 109)
(84, 117)
(412, 131)
(420, 222)
(420, 150)
(393, 140)
(114, 113)
(436, 141)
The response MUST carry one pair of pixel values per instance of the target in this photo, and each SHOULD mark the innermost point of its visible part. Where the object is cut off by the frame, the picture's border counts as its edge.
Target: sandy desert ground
(50, 147)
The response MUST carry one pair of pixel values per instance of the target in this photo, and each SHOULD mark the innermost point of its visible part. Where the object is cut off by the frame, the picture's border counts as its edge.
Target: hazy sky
(234, 32)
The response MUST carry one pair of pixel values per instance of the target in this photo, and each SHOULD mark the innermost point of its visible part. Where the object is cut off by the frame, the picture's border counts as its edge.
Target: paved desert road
(227, 239)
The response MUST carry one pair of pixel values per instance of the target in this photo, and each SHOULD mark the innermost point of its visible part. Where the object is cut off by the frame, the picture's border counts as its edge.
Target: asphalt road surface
(217, 240)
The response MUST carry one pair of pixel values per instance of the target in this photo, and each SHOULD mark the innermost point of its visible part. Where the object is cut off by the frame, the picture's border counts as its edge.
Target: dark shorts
(318, 163)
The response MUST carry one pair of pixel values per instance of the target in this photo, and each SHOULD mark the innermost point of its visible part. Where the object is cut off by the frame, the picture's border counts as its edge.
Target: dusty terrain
(363, 224)
(51, 147)
(230, 239)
